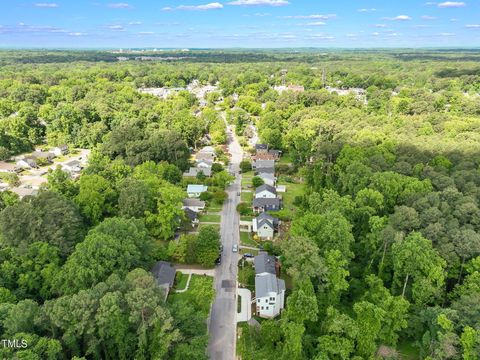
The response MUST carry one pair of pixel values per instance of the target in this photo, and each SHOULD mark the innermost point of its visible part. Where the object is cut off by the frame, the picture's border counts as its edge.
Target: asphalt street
(222, 324)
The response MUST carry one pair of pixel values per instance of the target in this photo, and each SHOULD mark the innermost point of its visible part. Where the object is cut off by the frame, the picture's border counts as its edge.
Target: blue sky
(239, 23)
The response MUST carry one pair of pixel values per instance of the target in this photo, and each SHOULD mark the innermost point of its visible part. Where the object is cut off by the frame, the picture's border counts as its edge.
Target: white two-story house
(269, 290)
(265, 192)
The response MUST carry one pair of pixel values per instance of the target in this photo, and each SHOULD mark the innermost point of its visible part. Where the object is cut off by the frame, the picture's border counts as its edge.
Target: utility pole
(324, 76)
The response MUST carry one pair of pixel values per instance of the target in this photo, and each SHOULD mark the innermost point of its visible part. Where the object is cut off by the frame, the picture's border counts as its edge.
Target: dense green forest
(383, 248)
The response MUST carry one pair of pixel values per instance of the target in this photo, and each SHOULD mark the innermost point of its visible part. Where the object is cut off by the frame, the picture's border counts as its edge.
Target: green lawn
(293, 190)
(200, 294)
(210, 218)
(180, 281)
(246, 218)
(285, 159)
(288, 280)
(244, 251)
(247, 179)
(246, 239)
(216, 226)
(213, 208)
(247, 197)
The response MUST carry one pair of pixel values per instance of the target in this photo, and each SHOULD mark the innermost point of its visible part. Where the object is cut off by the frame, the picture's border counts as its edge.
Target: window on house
(266, 300)
(272, 299)
(258, 300)
(262, 307)
(266, 307)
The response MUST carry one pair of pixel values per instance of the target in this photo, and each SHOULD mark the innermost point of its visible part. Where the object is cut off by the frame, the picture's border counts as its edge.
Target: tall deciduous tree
(49, 217)
(415, 258)
(96, 197)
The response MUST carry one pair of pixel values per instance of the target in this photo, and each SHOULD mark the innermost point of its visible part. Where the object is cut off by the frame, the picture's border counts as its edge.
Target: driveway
(245, 313)
(222, 325)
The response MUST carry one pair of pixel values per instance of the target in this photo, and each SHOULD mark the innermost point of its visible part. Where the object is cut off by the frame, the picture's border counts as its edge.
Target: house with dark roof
(164, 274)
(258, 164)
(260, 171)
(265, 191)
(261, 148)
(276, 154)
(265, 225)
(265, 264)
(266, 204)
(192, 216)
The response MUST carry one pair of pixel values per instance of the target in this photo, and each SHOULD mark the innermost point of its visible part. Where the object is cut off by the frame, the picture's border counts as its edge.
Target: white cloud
(367, 10)
(421, 26)
(321, 37)
(210, 6)
(258, 2)
(262, 14)
(119, 6)
(380, 25)
(446, 34)
(399, 18)
(472, 26)
(315, 16)
(135, 23)
(375, 34)
(115, 27)
(315, 23)
(46, 5)
(76, 34)
(167, 8)
(451, 4)
(145, 33)
(428, 17)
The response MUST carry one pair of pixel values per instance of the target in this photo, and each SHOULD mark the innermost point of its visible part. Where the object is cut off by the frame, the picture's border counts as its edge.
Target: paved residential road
(222, 326)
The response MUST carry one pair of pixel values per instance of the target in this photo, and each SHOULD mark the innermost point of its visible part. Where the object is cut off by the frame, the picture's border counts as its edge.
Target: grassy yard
(216, 226)
(246, 239)
(180, 281)
(247, 179)
(285, 159)
(246, 218)
(245, 251)
(247, 197)
(214, 208)
(293, 190)
(200, 294)
(288, 280)
(210, 218)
